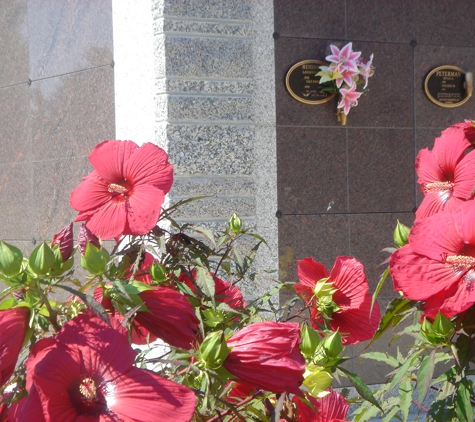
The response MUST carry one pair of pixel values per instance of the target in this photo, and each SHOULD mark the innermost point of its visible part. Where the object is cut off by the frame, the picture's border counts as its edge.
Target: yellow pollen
(88, 389)
(438, 187)
(115, 188)
(460, 262)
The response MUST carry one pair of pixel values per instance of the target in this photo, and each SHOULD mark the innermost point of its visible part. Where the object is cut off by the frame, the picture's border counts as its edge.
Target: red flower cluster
(125, 192)
(266, 355)
(341, 297)
(86, 372)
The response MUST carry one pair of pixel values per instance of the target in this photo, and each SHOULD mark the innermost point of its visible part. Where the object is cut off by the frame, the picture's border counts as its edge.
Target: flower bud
(42, 259)
(401, 232)
(443, 325)
(10, 259)
(158, 273)
(317, 379)
(85, 236)
(332, 345)
(95, 259)
(65, 241)
(214, 350)
(235, 223)
(310, 340)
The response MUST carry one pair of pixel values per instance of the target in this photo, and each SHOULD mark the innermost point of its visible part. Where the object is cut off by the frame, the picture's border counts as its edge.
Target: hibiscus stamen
(460, 262)
(115, 188)
(88, 389)
(438, 187)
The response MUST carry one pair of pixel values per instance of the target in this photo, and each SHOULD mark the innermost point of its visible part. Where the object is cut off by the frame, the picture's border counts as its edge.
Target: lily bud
(401, 233)
(332, 345)
(85, 236)
(214, 350)
(42, 259)
(95, 259)
(235, 223)
(65, 241)
(10, 259)
(310, 340)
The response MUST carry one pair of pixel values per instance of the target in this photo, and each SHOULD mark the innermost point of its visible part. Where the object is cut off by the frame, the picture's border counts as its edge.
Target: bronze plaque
(303, 85)
(445, 86)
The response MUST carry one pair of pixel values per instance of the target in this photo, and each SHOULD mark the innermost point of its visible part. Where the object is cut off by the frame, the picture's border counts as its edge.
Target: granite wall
(56, 103)
(342, 188)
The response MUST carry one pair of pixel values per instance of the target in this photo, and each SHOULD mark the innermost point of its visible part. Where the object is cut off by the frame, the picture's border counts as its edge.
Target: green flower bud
(443, 325)
(332, 345)
(95, 259)
(310, 340)
(214, 350)
(235, 224)
(158, 273)
(10, 259)
(401, 232)
(42, 260)
(317, 379)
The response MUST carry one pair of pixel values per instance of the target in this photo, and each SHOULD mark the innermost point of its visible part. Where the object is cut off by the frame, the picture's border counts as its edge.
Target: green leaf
(424, 376)
(362, 389)
(208, 234)
(463, 406)
(256, 236)
(205, 282)
(390, 415)
(380, 285)
(395, 312)
(90, 302)
(382, 357)
(398, 374)
(405, 397)
(441, 411)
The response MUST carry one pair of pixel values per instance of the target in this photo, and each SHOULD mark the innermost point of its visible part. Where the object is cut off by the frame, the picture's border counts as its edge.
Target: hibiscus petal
(464, 220)
(149, 165)
(433, 203)
(449, 149)
(149, 398)
(355, 324)
(450, 302)
(331, 407)
(464, 177)
(310, 271)
(428, 170)
(109, 221)
(90, 194)
(417, 276)
(348, 277)
(28, 409)
(144, 205)
(109, 157)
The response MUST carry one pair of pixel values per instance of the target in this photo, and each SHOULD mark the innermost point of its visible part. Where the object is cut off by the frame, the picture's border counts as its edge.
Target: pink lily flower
(366, 69)
(349, 98)
(345, 59)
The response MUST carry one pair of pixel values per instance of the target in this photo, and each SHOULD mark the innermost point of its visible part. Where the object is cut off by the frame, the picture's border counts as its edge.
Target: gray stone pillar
(215, 111)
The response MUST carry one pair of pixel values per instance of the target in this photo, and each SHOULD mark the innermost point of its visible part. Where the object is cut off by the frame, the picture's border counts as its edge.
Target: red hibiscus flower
(170, 317)
(125, 192)
(331, 408)
(446, 174)
(266, 355)
(13, 326)
(88, 374)
(438, 264)
(340, 297)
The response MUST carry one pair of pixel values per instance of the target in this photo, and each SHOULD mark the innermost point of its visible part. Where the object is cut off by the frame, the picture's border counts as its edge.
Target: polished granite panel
(13, 42)
(386, 21)
(14, 112)
(445, 22)
(289, 111)
(67, 36)
(369, 235)
(328, 19)
(15, 201)
(53, 182)
(427, 58)
(322, 237)
(311, 170)
(381, 170)
(71, 113)
(388, 100)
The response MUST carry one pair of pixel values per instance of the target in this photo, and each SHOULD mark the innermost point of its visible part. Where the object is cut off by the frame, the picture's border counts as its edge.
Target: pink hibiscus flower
(349, 98)
(331, 408)
(125, 192)
(438, 264)
(446, 174)
(340, 297)
(86, 373)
